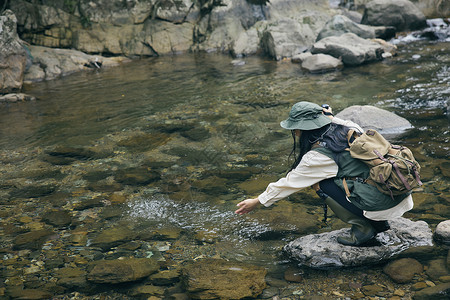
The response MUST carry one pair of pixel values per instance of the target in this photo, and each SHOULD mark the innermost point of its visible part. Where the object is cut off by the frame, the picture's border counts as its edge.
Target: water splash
(195, 216)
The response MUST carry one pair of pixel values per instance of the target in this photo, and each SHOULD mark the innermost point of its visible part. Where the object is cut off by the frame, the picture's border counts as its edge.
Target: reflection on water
(179, 141)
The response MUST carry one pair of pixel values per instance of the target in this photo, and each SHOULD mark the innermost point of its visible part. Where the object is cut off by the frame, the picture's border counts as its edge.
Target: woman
(324, 164)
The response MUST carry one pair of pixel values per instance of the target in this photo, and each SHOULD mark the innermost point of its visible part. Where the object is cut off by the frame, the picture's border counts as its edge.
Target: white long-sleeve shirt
(315, 167)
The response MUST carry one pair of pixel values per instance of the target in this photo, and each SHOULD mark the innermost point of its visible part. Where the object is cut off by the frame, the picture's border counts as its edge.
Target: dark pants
(334, 191)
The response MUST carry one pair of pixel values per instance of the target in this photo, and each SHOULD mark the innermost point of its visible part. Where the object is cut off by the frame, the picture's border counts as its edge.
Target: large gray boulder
(323, 250)
(13, 56)
(320, 63)
(401, 14)
(370, 117)
(50, 63)
(340, 24)
(351, 48)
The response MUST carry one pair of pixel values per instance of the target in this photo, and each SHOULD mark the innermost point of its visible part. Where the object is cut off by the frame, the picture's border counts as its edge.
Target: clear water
(210, 129)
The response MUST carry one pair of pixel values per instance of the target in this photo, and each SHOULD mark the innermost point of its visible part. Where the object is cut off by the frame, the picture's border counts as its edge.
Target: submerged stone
(57, 218)
(32, 240)
(323, 250)
(220, 279)
(403, 270)
(118, 271)
(113, 237)
(136, 176)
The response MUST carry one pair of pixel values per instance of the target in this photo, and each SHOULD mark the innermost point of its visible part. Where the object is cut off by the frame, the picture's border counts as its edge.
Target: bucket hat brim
(305, 116)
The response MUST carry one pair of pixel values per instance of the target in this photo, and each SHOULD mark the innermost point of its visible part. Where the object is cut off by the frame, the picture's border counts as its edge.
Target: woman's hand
(247, 206)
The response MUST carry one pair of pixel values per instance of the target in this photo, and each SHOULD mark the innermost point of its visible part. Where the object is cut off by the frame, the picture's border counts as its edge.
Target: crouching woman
(322, 163)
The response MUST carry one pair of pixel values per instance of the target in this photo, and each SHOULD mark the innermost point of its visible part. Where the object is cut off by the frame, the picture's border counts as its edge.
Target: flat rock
(117, 271)
(319, 63)
(221, 279)
(371, 117)
(323, 250)
(353, 49)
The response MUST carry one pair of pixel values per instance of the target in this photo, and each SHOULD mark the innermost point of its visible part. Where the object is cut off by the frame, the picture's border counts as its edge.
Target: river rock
(437, 268)
(220, 279)
(51, 63)
(401, 14)
(442, 233)
(30, 294)
(351, 48)
(438, 292)
(340, 24)
(71, 277)
(57, 218)
(113, 237)
(323, 250)
(118, 271)
(403, 270)
(371, 117)
(13, 56)
(16, 97)
(320, 63)
(282, 39)
(32, 240)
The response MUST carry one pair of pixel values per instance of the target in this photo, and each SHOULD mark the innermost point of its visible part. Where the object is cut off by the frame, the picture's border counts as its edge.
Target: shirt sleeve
(348, 123)
(313, 167)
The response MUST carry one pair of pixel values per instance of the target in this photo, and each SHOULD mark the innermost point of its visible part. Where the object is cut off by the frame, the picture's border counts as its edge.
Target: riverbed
(172, 144)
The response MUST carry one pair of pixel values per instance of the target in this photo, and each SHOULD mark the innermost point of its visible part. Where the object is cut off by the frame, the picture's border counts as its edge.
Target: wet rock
(30, 294)
(13, 56)
(206, 236)
(147, 292)
(113, 237)
(283, 39)
(437, 268)
(445, 169)
(293, 275)
(351, 48)
(321, 63)
(372, 289)
(246, 43)
(71, 277)
(20, 97)
(215, 278)
(403, 270)
(322, 250)
(34, 191)
(442, 232)
(212, 184)
(340, 24)
(299, 58)
(118, 271)
(51, 63)
(440, 291)
(57, 218)
(103, 186)
(136, 176)
(166, 277)
(88, 203)
(32, 240)
(401, 14)
(371, 117)
(144, 141)
(196, 134)
(76, 153)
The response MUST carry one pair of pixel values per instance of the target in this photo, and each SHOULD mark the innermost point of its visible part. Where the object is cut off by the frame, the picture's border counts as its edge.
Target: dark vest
(363, 195)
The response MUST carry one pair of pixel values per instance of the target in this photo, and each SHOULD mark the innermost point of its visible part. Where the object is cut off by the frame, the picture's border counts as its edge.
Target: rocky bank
(279, 29)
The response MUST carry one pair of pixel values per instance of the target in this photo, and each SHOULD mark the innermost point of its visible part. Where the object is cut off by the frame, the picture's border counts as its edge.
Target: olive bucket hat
(305, 116)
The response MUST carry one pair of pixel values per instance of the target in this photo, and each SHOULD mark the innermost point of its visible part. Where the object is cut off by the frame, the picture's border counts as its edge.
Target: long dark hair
(332, 136)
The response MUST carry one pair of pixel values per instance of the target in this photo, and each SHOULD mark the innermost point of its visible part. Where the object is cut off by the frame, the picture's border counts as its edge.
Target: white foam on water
(196, 216)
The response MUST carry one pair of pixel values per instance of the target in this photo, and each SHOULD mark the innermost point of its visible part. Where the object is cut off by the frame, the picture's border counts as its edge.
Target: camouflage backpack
(393, 169)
